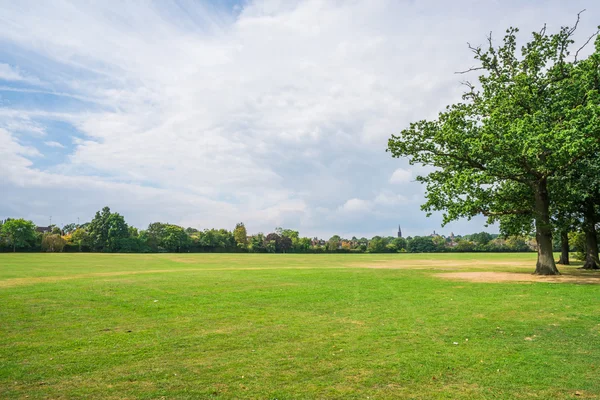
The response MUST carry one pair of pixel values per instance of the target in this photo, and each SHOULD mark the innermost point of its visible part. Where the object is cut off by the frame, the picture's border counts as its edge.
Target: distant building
(43, 229)
(399, 231)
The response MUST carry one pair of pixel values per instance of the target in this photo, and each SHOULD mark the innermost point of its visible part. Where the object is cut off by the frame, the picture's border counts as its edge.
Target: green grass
(290, 326)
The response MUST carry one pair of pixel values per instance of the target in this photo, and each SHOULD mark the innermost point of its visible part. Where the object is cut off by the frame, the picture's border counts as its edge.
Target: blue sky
(204, 114)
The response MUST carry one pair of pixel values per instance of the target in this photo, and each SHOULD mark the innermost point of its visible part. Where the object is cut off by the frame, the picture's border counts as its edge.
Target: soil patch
(497, 277)
(444, 265)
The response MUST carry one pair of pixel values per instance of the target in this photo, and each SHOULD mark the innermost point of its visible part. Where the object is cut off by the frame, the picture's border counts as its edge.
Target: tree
(532, 117)
(377, 245)
(582, 194)
(285, 244)
(421, 244)
(257, 243)
(399, 243)
(481, 238)
(174, 239)
(241, 236)
(81, 237)
(19, 233)
(272, 242)
(301, 245)
(53, 243)
(154, 235)
(69, 228)
(333, 243)
(106, 230)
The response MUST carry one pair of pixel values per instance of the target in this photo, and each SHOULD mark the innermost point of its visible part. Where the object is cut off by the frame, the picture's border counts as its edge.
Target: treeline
(109, 232)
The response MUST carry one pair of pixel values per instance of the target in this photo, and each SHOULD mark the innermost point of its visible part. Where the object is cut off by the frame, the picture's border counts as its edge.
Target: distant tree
(81, 238)
(53, 243)
(133, 232)
(333, 243)
(257, 243)
(301, 245)
(241, 236)
(106, 230)
(377, 245)
(69, 228)
(578, 241)
(154, 235)
(19, 233)
(464, 245)
(285, 244)
(175, 239)
(399, 243)
(273, 243)
(517, 243)
(421, 244)
(481, 238)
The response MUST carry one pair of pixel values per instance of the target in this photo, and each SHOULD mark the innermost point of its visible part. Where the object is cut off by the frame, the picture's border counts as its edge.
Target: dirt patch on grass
(497, 277)
(444, 264)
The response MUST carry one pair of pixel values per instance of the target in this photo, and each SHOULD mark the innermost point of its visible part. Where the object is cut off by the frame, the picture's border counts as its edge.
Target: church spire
(399, 231)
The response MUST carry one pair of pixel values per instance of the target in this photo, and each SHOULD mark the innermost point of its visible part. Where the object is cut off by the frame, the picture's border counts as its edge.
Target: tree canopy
(532, 116)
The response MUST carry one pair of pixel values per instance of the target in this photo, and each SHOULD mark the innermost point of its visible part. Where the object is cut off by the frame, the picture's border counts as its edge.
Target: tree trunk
(543, 232)
(591, 240)
(564, 248)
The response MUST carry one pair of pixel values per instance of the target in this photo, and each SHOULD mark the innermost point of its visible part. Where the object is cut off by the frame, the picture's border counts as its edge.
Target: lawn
(179, 326)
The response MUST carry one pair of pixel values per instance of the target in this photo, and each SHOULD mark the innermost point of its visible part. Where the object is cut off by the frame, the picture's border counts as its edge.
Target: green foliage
(241, 236)
(53, 243)
(69, 228)
(175, 240)
(481, 238)
(577, 241)
(257, 243)
(377, 245)
(81, 238)
(106, 231)
(19, 233)
(272, 243)
(333, 243)
(422, 244)
(532, 117)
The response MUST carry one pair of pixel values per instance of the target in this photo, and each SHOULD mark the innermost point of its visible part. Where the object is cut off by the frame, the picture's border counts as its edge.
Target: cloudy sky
(207, 113)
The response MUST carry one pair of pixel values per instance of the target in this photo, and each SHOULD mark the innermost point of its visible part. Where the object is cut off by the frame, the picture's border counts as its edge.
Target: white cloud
(276, 114)
(401, 175)
(52, 143)
(9, 73)
(356, 205)
(391, 199)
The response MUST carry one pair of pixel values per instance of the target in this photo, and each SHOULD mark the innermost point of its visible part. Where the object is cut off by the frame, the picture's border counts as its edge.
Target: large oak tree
(533, 114)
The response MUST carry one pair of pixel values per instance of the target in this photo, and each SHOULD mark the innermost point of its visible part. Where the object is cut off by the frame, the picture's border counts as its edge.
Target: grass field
(292, 326)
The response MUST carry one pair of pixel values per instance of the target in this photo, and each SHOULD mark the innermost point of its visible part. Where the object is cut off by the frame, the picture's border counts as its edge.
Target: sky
(207, 113)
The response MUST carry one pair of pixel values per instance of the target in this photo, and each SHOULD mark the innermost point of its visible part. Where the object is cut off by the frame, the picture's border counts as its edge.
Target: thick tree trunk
(564, 248)
(543, 232)
(591, 240)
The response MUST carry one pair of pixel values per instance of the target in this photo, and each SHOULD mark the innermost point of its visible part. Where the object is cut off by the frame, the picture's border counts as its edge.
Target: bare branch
(586, 43)
(574, 28)
(469, 70)
(490, 41)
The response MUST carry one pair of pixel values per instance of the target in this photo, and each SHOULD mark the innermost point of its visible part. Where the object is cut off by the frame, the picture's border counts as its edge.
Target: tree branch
(586, 43)
(507, 212)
